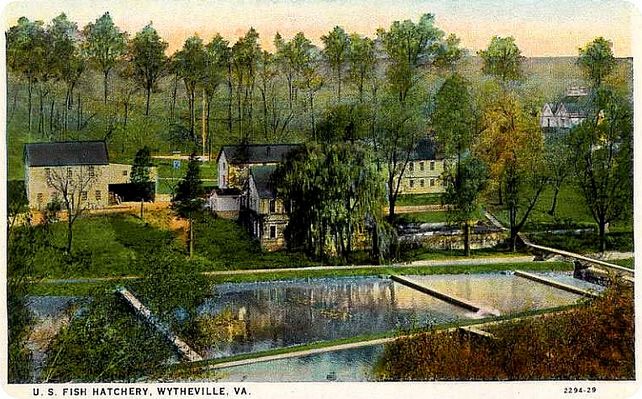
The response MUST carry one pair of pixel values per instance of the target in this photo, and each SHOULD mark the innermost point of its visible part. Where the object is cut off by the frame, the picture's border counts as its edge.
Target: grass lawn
(418, 199)
(630, 262)
(571, 213)
(585, 243)
(424, 217)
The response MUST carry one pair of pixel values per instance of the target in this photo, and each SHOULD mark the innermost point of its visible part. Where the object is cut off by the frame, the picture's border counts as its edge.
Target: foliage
(187, 198)
(105, 45)
(333, 189)
(603, 159)
(594, 342)
(140, 173)
(454, 117)
(596, 60)
(147, 54)
(106, 342)
(362, 62)
(189, 64)
(337, 52)
(502, 59)
(17, 202)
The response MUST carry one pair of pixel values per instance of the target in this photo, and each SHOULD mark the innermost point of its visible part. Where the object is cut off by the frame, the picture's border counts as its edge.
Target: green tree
(293, 57)
(557, 159)
(336, 53)
(215, 69)
(502, 59)
(70, 62)
(362, 61)
(333, 189)
(187, 199)
(26, 51)
(246, 53)
(410, 45)
(139, 176)
(603, 158)
(190, 66)
(596, 60)
(147, 55)
(463, 190)
(105, 45)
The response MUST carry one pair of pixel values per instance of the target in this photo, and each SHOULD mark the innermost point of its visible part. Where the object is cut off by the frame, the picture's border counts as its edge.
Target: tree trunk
(554, 204)
(106, 75)
(466, 238)
(190, 239)
(229, 99)
(602, 234)
(126, 113)
(142, 208)
(70, 232)
(149, 93)
(30, 103)
(513, 240)
(51, 113)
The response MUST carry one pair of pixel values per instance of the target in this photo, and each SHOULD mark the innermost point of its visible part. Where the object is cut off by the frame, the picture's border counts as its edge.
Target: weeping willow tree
(335, 195)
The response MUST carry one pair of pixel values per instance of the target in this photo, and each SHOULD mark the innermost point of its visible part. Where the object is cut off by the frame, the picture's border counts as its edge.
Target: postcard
(289, 198)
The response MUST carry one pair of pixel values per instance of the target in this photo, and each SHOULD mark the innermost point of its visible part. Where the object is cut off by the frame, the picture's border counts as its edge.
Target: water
(506, 293)
(346, 365)
(259, 316)
(568, 279)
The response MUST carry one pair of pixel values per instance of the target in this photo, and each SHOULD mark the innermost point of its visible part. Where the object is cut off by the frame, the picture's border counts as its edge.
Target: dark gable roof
(257, 153)
(67, 153)
(262, 176)
(426, 149)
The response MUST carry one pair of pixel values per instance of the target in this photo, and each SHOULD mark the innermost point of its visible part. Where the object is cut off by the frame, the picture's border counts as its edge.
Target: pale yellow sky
(541, 28)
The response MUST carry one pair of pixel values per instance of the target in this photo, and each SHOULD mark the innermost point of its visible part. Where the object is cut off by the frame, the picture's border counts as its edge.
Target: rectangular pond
(251, 317)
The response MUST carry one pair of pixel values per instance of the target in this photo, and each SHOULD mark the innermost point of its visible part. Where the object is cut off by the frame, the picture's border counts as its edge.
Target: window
(432, 165)
(39, 197)
(91, 171)
(98, 195)
(83, 195)
(411, 166)
(48, 176)
(421, 182)
(421, 166)
(124, 173)
(432, 182)
(272, 232)
(272, 206)
(412, 183)
(70, 173)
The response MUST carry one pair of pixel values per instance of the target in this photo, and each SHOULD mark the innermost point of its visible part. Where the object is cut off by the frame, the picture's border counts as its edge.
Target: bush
(591, 342)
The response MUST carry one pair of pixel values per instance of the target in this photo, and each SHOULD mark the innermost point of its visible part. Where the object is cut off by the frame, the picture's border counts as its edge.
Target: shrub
(590, 342)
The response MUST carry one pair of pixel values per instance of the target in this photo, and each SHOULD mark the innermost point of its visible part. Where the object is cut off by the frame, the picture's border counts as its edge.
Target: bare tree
(71, 184)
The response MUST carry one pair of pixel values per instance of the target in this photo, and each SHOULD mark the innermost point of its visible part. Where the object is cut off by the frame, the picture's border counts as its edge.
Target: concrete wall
(439, 240)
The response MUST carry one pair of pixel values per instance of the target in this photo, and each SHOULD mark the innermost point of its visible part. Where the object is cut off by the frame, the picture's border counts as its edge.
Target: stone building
(81, 168)
(423, 172)
(261, 212)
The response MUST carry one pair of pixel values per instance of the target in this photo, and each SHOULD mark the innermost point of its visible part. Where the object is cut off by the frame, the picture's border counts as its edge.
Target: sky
(540, 27)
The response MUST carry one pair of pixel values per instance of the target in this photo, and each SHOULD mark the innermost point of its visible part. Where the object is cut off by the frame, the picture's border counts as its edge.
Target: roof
(256, 153)
(573, 104)
(425, 149)
(66, 153)
(262, 176)
(229, 191)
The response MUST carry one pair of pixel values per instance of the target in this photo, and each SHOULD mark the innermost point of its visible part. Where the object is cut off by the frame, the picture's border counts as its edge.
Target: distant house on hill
(423, 172)
(81, 165)
(568, 112)
(234, 161)
(262, 213)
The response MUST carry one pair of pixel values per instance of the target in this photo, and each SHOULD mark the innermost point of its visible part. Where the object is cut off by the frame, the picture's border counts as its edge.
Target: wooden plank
(188, 353)
(461, 302)
(556, 284)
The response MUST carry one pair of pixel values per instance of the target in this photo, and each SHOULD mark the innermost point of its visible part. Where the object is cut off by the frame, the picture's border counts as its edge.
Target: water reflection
(345, 365)
(258, 316)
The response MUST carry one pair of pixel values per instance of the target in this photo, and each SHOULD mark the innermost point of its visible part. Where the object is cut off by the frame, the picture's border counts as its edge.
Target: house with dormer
(566, 113)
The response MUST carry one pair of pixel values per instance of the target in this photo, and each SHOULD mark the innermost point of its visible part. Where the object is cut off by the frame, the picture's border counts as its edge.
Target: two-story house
(234, 163)
(424, 169)
(81, 168)
(262, 212)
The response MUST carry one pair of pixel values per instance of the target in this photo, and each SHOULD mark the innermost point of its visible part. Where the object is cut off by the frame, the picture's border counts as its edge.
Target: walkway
(419, 263)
